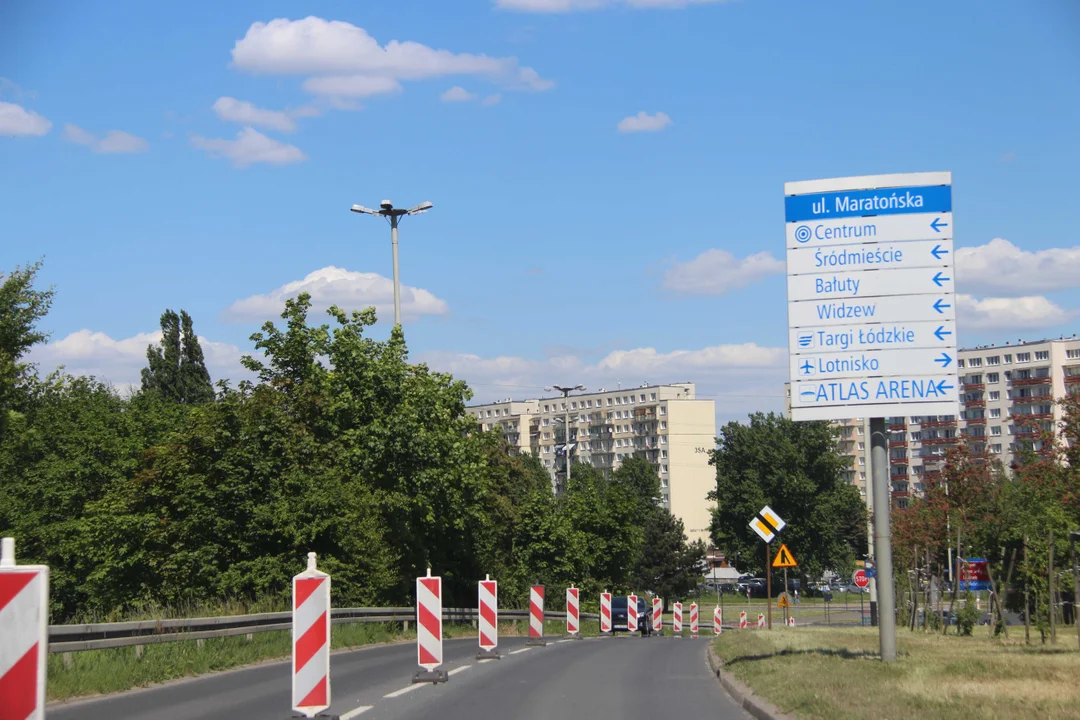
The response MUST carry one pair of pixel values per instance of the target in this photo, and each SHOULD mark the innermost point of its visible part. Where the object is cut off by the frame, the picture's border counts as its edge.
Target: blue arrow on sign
(939, 304)
(939, 279)
(937, 252)
(944, 360)
(942, 387)
(941, 332)
(937, 224)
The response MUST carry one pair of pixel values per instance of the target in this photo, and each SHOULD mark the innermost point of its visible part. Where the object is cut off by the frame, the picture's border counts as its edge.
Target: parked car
(618, 615)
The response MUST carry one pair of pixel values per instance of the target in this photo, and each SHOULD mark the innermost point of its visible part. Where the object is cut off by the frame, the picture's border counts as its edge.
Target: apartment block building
(1004, 389)
(665, 424)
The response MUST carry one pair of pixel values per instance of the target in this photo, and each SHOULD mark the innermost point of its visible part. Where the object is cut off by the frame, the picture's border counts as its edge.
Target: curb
(744, 696)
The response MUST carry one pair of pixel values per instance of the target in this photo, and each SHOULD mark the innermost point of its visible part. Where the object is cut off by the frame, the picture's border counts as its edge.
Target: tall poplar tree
(176, 368)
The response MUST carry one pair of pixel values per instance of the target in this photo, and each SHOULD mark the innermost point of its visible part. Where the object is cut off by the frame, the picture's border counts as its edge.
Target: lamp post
(393, 215)
(566, 419)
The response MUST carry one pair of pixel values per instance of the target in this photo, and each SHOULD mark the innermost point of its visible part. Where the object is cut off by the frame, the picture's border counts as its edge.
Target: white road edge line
(456, 670)
(562, 641)
(515, 652)
(402, 691)
(358, 711)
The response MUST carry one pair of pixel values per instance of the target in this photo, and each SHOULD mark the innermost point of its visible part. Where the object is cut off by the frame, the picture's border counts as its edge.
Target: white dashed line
(402, 691)
(456, 670)
(566, 640)
(515, 652)
(358, 711)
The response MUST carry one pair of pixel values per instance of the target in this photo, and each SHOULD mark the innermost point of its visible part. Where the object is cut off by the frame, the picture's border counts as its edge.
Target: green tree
(176, 368)
(669, 566)
(21, 308)
(793, 467)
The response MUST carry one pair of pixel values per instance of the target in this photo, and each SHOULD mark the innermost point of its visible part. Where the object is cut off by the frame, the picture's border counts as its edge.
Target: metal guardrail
(98, 636)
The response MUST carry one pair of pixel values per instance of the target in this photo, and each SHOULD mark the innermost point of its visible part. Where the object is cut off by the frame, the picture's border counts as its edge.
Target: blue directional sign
(871, 297)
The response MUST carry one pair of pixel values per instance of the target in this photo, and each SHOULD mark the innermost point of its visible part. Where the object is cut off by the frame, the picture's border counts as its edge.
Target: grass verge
(834, 673)
(97, 672)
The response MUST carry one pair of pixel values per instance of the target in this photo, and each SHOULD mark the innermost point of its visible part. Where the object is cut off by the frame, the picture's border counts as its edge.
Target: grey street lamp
(393, 214)
(566, 420)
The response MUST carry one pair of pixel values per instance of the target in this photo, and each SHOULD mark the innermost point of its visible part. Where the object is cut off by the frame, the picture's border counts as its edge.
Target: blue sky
(204, 156)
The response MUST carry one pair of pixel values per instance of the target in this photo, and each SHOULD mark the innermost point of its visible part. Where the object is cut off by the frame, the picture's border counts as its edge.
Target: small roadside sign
(784, 558)
(783, 601)
(860, 578)
(766, 524)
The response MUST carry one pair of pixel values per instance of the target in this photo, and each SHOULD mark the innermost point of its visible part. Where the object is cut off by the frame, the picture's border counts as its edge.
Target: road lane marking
(358, 711)
(515, 652)
(402, 691)
(456, 670)
(562, 641)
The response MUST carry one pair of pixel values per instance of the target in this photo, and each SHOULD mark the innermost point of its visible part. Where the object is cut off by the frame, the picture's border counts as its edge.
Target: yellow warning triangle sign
(783, 601)
(784, 558)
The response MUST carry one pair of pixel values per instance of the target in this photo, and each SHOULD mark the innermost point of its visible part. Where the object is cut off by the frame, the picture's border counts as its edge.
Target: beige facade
(1002, 387)
(665, 424)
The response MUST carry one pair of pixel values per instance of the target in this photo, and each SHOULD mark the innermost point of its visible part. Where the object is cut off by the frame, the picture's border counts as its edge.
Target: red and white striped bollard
(536, 616)
(488, 624)
(658, 615)
(761, 621)
(693, 620)
(742, 620)
(631, 613)
(573, 612)
(676, 621)
(24, 636)
(718, 621)
(311, 641)
(429, 641)
(605, 613)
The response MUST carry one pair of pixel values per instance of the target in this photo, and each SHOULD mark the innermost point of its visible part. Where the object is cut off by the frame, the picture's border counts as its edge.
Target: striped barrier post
(24, 636)
(742, 620)
(605, 613)
(631, 614)
(573, 612)
(536, 616)
(488, 593)
(760, 621)
(791, 621)
(693, 620)
(718, 621)
(311, 641)
(676, 621)
(658, 615)
(429, 641)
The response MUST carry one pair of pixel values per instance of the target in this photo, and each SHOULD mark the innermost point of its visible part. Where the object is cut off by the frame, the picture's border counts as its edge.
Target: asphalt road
(626, 677)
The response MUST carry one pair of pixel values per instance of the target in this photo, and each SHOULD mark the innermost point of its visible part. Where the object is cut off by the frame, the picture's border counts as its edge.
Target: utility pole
(393, 215)
(879, 473)
(566, 421)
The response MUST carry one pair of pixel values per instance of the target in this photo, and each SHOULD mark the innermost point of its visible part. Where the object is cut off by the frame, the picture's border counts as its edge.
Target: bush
(967, 616)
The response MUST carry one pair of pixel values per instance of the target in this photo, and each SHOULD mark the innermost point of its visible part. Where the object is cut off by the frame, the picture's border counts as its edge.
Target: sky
(607, 175)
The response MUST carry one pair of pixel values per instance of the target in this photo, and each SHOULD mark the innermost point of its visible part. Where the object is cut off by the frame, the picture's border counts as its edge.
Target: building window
(663, 410)
(975, 362)
(960, 363)
(652, 396)
(995, 394)
(663, 424)
(995, 412)
(1006, 360)
(573, 406)
(642, 398)
(996, 448)
(663, 453)
(993, 360)
(1072, 354)
(1023, 357)
(993, 377)
(1042, 355)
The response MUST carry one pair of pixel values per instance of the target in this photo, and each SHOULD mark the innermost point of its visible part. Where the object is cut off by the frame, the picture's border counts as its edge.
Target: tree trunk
(914, 591)
(1008, 583)
(1027, 596)
(955, 585)
(993, 596)
(1050, 604)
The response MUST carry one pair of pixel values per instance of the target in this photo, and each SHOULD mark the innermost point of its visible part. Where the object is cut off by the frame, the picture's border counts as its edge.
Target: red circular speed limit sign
(859, 578)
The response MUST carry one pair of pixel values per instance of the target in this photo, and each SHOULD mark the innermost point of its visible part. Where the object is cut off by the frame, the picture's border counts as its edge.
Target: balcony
(975, 403)
(1016, 417)
(898, 460)
(940, 441)
(939, 423)
(902, 427)
(1072, 379)
(972, 387)
(900, 493)
(899, 477)
(976, 421)
(1031, 381)
(897, 443)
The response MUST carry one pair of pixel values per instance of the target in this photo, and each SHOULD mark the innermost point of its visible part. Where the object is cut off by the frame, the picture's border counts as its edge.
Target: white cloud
(86, 352)
(644, 122)
(115, 142)
(1030, 312)
(16, 120)
(1001, 267)
(717, 272)
(250, 147)
(347, 289)
(345, 61)
(563, 6)
(491, 100)
(246, 113)
(457, 94)
(739, 378)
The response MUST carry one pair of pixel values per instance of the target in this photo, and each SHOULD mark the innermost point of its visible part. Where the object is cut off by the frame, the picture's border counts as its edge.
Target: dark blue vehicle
(618, 615)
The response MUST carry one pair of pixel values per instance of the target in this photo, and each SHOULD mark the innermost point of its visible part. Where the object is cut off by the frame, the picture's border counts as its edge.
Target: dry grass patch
(834, 673)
